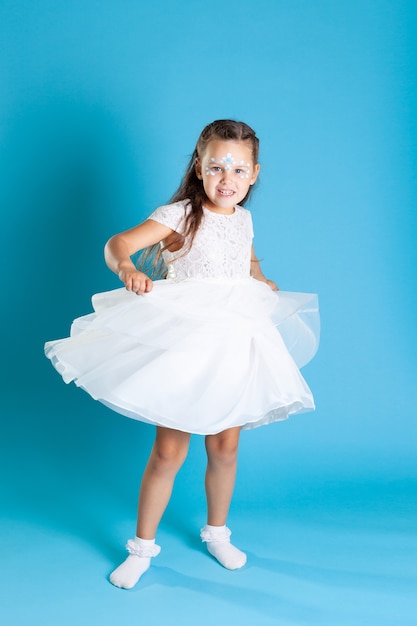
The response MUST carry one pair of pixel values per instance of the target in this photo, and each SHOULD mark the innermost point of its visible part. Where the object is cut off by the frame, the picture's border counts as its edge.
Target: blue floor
(329, 542)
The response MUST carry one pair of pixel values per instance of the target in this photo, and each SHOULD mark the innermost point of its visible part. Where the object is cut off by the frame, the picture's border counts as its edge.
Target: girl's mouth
(225, 192)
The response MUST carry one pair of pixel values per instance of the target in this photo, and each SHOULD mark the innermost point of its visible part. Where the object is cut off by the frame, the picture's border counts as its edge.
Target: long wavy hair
(191, 189)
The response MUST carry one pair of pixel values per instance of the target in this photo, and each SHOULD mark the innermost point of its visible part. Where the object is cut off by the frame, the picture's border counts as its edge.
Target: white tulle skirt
(198, 356)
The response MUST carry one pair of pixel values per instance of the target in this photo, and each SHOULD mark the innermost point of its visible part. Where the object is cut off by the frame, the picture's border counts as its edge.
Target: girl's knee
(223, 447)
(170, 452)
(169, 457)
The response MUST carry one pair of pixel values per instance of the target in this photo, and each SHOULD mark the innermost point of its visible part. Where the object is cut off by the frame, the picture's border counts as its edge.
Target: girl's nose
(227, 175)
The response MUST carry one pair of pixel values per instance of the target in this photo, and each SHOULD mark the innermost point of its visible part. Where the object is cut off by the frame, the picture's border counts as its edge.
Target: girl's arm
(119, 249)
(256, 272)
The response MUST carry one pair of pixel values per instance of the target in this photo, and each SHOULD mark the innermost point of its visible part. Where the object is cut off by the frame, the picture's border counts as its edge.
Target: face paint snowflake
(227, 161)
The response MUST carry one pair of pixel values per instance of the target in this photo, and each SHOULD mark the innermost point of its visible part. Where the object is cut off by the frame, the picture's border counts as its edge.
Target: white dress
(209, 348)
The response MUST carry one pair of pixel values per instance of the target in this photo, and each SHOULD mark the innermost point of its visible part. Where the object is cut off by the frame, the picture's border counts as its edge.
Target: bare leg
(168, 454)
(220, 481)
(221, 474)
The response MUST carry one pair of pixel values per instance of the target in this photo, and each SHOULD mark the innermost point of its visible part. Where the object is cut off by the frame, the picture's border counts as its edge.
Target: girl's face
(227, 171)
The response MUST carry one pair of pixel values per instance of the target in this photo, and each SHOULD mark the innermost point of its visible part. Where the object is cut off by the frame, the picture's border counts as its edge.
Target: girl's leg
(168, 454)
(220, 481)
(221, 474)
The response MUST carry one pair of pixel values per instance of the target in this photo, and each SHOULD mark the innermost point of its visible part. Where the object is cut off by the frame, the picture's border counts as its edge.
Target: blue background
(102, 103)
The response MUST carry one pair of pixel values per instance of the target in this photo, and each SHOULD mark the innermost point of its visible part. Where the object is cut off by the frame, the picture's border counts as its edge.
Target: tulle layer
(199, 356)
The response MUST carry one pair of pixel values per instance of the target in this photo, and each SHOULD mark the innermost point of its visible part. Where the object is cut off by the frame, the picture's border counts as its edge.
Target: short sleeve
(246, 219)
(252, 234)
(171, 215)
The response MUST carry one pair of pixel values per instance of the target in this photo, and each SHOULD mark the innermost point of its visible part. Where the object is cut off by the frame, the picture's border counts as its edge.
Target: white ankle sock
(218, 543)
(137, 563)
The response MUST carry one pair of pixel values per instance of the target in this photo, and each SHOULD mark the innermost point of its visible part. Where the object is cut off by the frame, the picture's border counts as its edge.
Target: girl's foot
(137, 563)
(218, 543)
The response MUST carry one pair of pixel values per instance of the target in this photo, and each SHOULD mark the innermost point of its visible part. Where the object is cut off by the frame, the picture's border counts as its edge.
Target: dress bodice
(221, 247)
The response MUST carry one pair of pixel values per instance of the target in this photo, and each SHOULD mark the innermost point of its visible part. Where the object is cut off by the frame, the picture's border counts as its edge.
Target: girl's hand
(271, 284)
(136, 281)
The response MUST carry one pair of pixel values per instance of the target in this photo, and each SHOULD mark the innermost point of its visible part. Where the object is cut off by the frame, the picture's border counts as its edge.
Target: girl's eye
(212, 170)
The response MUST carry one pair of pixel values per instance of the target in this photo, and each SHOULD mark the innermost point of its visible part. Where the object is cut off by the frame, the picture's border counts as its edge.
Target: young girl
(212, 349)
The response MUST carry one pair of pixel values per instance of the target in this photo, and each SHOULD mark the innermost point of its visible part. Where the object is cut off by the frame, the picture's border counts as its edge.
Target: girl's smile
(227, 171)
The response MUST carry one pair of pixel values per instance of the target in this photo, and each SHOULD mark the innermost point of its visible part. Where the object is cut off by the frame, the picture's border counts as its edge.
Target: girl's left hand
(271, 284)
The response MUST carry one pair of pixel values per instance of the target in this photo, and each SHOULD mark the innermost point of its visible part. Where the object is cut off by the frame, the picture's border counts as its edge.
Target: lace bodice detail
(221, 247)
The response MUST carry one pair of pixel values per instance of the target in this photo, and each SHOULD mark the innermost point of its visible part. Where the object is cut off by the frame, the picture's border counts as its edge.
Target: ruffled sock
(217, 539)
(137, 563)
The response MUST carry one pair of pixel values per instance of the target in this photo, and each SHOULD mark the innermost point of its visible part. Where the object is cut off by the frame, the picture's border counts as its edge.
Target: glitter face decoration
(228, 163)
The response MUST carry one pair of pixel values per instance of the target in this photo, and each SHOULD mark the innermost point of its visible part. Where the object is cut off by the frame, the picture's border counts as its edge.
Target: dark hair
(191, 187)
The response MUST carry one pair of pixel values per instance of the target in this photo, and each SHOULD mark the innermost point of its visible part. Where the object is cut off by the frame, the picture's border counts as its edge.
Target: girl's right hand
(136, 281)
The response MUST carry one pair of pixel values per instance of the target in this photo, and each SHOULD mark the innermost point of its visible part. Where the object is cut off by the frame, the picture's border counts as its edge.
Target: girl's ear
(255, 174)
(197, 167)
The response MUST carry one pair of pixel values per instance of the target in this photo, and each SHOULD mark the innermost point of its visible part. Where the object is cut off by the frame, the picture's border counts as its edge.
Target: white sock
(218, 543)
(137, 563)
